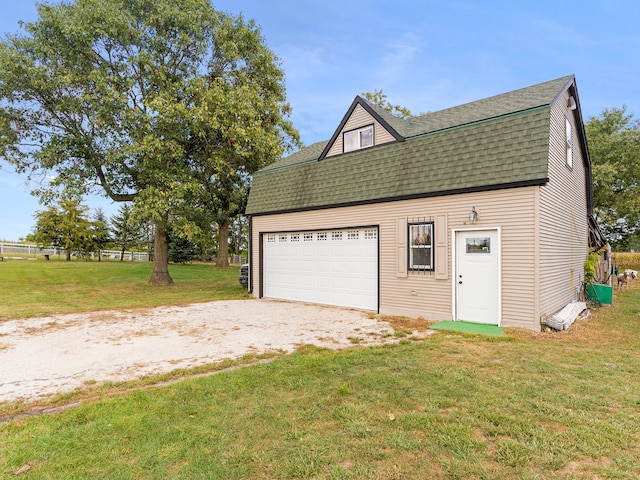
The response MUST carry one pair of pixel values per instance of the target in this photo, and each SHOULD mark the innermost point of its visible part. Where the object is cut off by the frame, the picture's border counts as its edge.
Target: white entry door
(331, 267)
(477, 279)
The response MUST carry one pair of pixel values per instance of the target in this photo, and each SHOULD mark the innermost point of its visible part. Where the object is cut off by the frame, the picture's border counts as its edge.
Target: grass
(454, 406)
(36, 287)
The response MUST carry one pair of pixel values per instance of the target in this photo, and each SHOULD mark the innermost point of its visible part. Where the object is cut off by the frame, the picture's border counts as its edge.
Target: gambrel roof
(497, 142)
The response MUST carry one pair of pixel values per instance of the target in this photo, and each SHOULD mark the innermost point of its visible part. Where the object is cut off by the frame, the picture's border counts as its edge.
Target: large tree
(237, 124)
(614, 148)
(166, 103)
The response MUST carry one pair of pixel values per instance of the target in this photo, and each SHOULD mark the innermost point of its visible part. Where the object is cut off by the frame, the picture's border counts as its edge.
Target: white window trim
(358, 137)
(568, 131)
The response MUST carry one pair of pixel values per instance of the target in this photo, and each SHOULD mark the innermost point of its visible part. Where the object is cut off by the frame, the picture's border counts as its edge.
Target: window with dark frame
(421, 246)
(357, 139)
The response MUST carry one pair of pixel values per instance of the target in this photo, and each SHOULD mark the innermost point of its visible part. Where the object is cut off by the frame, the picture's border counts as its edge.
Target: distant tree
(379, 98)
(125, 230)
(614, 147)
(239, 235)
(182, 250)
(201, 228)
(100, 232)
(66, 226)
(30, 238)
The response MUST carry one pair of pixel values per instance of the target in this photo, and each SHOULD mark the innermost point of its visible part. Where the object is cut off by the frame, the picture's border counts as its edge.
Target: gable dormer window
(358, 138)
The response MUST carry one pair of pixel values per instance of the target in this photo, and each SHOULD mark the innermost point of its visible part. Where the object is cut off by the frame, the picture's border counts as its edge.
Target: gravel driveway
(47, 355)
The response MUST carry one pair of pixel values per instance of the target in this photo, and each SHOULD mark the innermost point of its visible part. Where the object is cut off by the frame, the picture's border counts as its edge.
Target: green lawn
(524, 405)
(37, 287)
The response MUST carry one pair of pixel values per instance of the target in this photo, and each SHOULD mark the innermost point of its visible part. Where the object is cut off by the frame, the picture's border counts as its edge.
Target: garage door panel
(337, 267)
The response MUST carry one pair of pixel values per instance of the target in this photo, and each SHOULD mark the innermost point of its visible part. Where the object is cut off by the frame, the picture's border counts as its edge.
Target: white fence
(235, 259)
(21, 250)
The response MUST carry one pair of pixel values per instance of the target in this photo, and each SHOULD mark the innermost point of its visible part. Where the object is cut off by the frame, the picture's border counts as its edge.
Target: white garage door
(331, 267)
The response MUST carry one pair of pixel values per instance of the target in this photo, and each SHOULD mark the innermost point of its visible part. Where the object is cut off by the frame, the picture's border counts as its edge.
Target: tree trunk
(223, 244)
(160, 274)
(68, 255)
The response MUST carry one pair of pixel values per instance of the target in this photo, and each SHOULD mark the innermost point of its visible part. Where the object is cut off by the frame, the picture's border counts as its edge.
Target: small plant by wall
(590, 265)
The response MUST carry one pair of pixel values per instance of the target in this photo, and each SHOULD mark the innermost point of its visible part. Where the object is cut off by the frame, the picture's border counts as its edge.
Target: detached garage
(330, 267)
(479, 212)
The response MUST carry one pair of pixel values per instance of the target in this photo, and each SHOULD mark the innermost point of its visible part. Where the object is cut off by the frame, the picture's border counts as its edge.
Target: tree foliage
(379, 98)
(614, 148)
(67, 227)
(239, 234)
(182, 250)
(100, 231)
(126, 231)
(166, 103)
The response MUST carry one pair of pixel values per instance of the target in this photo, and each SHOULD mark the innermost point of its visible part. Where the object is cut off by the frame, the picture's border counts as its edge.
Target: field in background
(38, 287)
(626, 260)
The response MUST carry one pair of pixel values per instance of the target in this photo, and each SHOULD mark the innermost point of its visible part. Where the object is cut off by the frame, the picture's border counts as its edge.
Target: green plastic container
(600, 293)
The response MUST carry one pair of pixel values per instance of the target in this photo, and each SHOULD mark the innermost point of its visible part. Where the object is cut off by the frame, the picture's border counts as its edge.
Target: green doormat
(468, 327)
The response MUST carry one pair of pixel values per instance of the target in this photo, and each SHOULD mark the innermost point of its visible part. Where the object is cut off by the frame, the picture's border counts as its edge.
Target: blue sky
(425, 55)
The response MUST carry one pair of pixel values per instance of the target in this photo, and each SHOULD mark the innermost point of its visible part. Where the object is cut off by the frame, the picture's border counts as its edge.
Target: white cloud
(397, 60)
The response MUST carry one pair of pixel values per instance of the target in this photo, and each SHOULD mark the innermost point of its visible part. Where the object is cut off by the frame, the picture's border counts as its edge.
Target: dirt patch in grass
(406, 324)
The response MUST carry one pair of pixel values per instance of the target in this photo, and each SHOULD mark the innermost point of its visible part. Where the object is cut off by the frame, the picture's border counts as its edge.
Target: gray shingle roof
(312, 152)
(502, 140)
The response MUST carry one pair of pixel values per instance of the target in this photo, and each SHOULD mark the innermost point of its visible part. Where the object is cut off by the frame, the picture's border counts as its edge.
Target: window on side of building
(421, 246)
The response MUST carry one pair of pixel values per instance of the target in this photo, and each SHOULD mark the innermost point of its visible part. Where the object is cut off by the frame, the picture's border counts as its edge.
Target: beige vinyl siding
(421, 293)
(361, 118)
(515, 214)
(563, 217)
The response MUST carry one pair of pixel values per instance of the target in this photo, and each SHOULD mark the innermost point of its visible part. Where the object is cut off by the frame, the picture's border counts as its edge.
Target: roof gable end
(383, 120)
